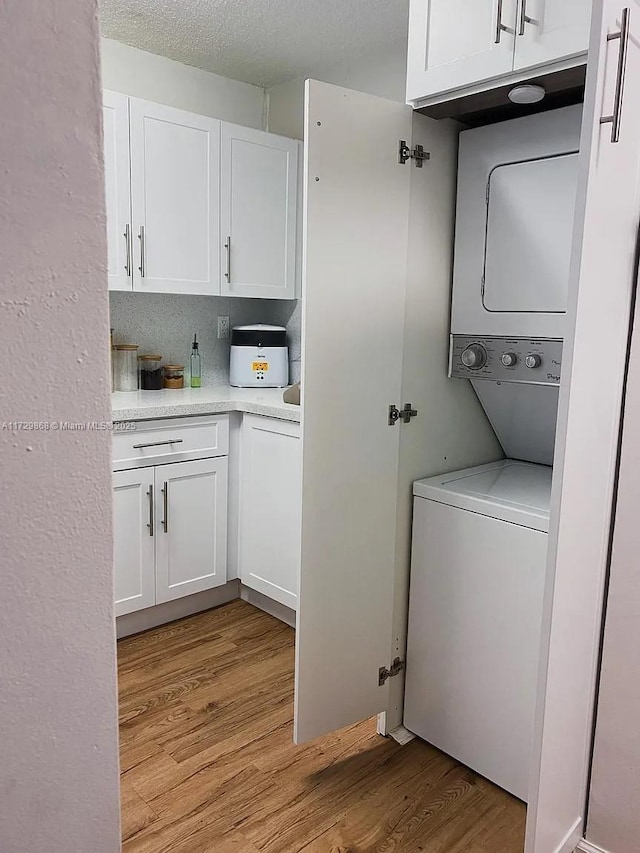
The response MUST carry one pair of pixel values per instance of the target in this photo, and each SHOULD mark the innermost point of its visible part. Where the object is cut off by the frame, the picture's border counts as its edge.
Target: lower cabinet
(134, 545)
(170, 536)
(270, 507)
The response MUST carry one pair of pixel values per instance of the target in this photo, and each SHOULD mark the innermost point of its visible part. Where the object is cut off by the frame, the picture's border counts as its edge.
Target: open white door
(602, 283)
(355, 235)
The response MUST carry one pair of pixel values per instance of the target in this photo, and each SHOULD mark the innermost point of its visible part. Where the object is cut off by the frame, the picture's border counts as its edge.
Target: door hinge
(405, 414)
(418, 154)
(383, 673)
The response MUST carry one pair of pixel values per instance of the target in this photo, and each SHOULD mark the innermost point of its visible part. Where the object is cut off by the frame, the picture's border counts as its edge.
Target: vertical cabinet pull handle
(165, 506)
(500, 27)
(150, 523)
(143, 252)
(227, 246)
(127, 237)
(524, 18)
(615, 119)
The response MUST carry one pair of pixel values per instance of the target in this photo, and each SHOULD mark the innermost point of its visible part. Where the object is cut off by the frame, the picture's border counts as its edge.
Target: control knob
(533, 360)
(509, 359)
(474, 357)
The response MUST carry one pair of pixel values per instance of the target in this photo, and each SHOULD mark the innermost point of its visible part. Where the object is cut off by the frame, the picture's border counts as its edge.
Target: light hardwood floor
(208, 764)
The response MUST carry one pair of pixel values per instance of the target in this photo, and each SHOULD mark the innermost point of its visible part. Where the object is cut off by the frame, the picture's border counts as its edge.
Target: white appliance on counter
(480, 535)
(259, 357)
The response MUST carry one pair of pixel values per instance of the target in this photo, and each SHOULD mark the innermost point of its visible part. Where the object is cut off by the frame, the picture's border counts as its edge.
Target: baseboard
(585, 846)
(268, 605)
(152, 617)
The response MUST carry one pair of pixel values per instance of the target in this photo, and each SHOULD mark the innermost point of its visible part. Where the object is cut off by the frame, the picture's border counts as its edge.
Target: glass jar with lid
(150, 371)
(125, 367)
(174, 376)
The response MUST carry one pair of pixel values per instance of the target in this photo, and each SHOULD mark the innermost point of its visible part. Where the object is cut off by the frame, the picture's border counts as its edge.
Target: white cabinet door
(175, 172)
(356, 225)
(603, 278)
(191, 524)
(454, 43)
(117, 189)
(259, 173)
(134, 537)
(270, 507)
(551, 30)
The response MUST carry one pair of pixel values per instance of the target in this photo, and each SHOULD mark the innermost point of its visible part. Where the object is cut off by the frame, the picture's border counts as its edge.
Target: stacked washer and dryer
(480, 535)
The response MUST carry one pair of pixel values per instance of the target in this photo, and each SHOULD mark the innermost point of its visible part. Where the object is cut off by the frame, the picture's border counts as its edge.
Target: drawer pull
(158, 443)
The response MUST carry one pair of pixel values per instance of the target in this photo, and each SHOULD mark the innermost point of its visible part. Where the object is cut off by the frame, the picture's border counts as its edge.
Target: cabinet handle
(524, 18)
(615, 119)
(127, 237)
(500, 27)
(227, 246)
(158, 443)
(150, 523)
(143, 252)
(165, 506)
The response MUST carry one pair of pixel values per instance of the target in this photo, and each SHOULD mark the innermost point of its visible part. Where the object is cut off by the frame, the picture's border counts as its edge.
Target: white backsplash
(165, 323)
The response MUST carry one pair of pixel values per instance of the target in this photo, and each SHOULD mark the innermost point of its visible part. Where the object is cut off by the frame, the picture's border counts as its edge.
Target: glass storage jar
(150, 371)
(174, 376)
(125, 367)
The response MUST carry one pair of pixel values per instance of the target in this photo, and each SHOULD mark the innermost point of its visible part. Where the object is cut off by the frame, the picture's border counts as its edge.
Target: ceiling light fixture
(527, 94)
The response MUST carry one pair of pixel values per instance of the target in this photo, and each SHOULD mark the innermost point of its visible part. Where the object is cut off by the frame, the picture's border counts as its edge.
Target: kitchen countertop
(213, 400)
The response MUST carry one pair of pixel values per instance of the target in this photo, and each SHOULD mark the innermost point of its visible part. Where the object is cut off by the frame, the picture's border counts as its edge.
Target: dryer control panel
(533, 361)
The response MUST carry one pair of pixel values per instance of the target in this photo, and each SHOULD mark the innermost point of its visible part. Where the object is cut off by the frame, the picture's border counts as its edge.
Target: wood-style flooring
(208, 764)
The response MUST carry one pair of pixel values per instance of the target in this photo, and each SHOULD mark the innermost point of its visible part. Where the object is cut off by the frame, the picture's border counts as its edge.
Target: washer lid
(517, 492)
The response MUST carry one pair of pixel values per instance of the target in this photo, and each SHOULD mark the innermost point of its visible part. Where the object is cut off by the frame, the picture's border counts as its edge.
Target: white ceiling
(265, 42)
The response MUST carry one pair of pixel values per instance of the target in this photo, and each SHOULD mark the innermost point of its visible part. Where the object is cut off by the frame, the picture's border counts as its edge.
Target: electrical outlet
(223, 328)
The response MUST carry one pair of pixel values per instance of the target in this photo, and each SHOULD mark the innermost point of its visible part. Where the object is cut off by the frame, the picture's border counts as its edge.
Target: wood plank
(209, 764)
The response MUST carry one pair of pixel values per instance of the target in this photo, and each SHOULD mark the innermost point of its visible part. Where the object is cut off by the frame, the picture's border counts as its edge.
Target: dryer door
(530, 213)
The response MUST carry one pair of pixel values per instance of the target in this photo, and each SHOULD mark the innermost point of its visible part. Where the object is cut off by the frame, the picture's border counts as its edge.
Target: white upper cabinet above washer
(550, 30)
(258, 213)
(454, 43)
(458, 47)
(175, 177)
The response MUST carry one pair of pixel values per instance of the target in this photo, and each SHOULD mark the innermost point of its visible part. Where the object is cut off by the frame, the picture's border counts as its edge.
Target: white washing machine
(480, 535)
(477, 582)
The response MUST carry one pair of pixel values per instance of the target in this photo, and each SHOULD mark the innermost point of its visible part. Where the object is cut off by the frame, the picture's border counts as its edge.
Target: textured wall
(58, 735)
(165, 324)
(156, 78)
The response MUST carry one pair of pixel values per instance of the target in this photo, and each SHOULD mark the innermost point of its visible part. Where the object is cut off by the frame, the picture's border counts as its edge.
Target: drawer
(140, 443)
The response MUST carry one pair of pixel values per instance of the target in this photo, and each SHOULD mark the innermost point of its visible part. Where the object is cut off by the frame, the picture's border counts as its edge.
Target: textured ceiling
(264, 42)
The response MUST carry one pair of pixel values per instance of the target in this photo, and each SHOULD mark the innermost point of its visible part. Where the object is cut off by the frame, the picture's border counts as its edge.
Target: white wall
(145, 75)
(383, 73)
(58, 712)
(614, 815)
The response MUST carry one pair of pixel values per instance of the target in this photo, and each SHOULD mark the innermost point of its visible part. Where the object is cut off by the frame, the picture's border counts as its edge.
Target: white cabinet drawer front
(175, 440)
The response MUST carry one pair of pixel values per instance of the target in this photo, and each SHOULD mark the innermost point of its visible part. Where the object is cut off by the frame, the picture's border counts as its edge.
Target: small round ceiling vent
(527, 94)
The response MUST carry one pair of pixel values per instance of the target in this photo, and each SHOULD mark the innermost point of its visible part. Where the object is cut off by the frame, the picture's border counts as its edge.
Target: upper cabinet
(175, 188)
(117, 194)
(166, 186)
(258, 213)
(457, 47)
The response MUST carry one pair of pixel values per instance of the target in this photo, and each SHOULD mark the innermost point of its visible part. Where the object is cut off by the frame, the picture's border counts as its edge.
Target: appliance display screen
(260, 365)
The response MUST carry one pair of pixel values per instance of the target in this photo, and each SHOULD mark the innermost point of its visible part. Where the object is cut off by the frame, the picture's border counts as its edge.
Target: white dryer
(517, 185)
(475, 612)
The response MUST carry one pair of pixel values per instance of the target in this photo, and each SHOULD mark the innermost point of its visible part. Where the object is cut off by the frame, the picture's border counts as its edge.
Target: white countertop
(216, 399)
